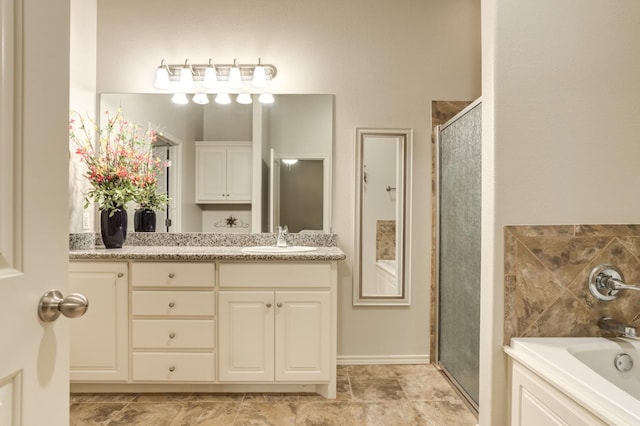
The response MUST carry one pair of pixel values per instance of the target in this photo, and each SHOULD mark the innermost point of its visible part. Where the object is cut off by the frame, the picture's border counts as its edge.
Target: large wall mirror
(291, 148)
(383, 220)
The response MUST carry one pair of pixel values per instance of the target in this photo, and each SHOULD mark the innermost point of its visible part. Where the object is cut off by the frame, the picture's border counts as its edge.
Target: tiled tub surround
(546, 273)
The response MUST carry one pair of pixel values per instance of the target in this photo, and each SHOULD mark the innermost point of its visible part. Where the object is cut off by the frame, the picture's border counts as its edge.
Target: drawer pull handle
(172, 335)
(268, 305)
(120, 275)
(172, 369)
(279, 305)
(172, 304)
(172, 275)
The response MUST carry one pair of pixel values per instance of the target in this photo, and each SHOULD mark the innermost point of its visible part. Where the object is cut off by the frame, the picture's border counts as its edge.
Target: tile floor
(386, 395)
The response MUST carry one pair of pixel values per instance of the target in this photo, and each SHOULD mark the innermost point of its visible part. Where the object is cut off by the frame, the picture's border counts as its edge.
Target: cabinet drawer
(179, 334)
(276, 274)
(172, 274)
(173, 303)
(173, 367)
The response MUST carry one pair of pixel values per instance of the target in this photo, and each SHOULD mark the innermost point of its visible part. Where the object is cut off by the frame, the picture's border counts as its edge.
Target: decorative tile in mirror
(200, 239)
(546, 274)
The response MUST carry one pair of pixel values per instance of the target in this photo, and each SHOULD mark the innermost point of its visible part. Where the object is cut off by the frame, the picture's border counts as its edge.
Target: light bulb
(259, 76)
(186, 78)
(162, 78)
(266, 98)
(244, 98)
(210, 77)
(235, 77)
(223, 98)
(180, 99)
(201, 98)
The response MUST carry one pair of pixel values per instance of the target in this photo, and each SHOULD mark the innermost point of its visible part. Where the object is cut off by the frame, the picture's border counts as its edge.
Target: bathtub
(583, 369)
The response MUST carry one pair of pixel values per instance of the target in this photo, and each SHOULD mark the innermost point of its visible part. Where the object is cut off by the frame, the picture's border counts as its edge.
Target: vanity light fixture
(186, 77)
(289, 161)
(266, 98)
(230, 78)
(244, 98)
(235, 77)
(162, 77)
(200, 98)
(223, 98)
(210, 80)
(180, 98)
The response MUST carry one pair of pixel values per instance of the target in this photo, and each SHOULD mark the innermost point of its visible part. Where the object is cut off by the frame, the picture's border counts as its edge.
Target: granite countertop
(200, 253)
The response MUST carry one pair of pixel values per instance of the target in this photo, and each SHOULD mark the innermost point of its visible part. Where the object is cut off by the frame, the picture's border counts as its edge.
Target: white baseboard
(382, 359)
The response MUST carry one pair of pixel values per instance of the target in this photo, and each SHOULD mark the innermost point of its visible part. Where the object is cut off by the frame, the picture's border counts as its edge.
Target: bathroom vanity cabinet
(223, 172)
(99, 342)
(220, 325)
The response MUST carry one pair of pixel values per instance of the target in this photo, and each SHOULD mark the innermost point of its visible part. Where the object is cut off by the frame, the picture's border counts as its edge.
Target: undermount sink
(276, 249)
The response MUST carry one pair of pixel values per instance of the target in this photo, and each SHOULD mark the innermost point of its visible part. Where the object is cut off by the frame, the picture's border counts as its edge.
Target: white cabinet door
(223, 172)
(99, 342)
(246, 342)
(303, 334)
(239, 174)
(211, 178)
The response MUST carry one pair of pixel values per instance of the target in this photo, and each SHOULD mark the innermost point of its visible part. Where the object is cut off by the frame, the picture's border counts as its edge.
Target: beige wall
(384, 60)
(560, 137)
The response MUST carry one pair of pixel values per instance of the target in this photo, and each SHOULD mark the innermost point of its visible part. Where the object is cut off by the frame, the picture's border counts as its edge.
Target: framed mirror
(383, 219)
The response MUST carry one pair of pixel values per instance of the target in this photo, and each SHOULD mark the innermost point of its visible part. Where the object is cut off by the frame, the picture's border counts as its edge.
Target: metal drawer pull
(120, 275)
(279, 305)
(172, 275)
(172, 369)
(172, 304)
(172, 335)
(268, 305)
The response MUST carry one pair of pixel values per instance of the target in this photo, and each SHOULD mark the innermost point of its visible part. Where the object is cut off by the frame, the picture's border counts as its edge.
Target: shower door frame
(436, 247)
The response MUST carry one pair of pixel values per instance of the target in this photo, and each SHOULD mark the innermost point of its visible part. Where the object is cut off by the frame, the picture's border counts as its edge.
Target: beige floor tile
(216, 397)
(163, 397)
(430, 388)
(376, 389)
(445, 413)
(337, 413)
(392, 413)
(207, 414)
(271, 396)
(266, 414)
(85, 414)
(371, 371)
(142, 414)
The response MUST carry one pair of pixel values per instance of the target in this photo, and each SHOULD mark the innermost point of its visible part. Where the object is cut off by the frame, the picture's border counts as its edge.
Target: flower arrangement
(121, 167)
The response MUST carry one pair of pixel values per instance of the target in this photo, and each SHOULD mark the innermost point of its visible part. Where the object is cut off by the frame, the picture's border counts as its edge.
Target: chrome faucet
(282, 231)
(605, 281)
(609, 324)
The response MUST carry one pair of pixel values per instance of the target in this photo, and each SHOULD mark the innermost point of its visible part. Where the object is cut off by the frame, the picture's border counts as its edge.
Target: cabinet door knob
(279, 305)
(172, 304)
(172, 335)
(268, 305)
(172, 275)
(120, 275)
(172, 368)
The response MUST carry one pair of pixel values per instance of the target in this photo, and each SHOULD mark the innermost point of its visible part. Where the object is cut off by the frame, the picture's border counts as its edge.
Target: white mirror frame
(403, 218)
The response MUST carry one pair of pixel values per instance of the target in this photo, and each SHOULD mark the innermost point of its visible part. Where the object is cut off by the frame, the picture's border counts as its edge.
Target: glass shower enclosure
(458, 177)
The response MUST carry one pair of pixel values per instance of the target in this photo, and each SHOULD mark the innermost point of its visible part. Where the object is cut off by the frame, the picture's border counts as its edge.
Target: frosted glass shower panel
(459, 189)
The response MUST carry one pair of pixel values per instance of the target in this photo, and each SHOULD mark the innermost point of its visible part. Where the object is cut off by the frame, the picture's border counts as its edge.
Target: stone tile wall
(385, 240)
(546, 278)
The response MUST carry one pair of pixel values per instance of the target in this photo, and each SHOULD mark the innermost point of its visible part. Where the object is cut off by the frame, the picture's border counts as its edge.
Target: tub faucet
(606, 281)
(282, 231)
(609, 324)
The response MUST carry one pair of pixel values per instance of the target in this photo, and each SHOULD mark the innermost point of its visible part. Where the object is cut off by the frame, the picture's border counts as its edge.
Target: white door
(34, 114)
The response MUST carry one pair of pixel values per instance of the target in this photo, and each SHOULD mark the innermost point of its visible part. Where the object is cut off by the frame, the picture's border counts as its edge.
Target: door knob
(52, 304)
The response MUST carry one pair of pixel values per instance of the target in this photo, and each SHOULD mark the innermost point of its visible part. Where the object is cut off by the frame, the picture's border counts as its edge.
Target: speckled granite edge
(193, 253)
(85, 241)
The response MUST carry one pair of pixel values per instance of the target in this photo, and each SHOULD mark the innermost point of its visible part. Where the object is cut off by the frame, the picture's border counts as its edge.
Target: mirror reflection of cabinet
(383, 207)
(223, 172)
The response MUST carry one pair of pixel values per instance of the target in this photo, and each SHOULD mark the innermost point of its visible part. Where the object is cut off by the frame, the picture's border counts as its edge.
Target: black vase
(144, 220)
(113, 228)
